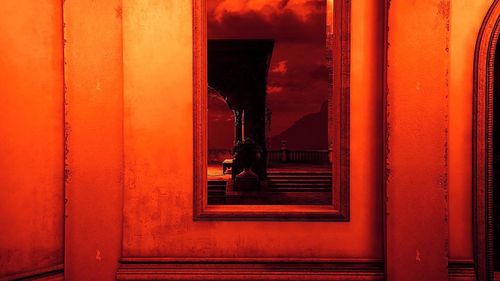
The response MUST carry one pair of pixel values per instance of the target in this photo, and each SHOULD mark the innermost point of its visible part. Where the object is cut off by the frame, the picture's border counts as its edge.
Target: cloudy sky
(298, 77)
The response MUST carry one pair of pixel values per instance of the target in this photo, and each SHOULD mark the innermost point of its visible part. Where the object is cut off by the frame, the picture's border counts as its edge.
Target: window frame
(340, 106)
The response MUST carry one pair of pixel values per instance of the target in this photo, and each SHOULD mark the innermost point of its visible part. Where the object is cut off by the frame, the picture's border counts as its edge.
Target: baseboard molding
(249, 269)
(461, 270)
(268, 269)
(51, 273)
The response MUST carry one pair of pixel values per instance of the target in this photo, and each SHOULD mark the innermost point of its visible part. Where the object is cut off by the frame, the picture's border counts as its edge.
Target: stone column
(238, 125)
(417, 140)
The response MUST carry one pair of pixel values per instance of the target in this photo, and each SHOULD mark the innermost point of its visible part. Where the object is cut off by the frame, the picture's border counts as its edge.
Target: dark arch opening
(220, 128)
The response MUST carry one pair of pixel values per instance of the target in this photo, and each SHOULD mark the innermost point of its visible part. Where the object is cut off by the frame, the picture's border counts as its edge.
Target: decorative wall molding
(52, 273)
(461, 270)
(268, 269)
(482, 142)
(249, 269)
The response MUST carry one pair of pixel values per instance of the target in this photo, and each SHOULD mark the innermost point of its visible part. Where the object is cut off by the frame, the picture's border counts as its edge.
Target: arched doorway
(486, 144)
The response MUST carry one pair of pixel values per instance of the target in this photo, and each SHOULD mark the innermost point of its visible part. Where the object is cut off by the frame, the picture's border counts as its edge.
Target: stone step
(307, 180)
(216, 187)
(299, 173)
(280, 184)
(294, 187)
(304, 181)
(300, 189)
(300, 185)
(299, 179)
(217, 183)
(216, 196)
(216, 192)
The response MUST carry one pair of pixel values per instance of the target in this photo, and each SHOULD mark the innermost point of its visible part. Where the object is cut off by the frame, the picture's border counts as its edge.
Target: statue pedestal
(246, 181)
(245, 188)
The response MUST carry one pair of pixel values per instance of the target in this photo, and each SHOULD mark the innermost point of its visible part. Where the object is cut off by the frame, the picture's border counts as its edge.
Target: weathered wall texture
(148, 90)
(158, 149)
(94, 112)
(466, 19)
(417, 140)
(31, 136)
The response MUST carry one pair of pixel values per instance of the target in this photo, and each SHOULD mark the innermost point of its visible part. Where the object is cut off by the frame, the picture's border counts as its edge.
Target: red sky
(298, 77)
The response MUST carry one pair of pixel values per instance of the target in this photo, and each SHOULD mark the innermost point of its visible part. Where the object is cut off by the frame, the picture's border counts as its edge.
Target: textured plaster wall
(31, 136)
(94, 114)
(417, 139)
(158, 191)
(149, 92)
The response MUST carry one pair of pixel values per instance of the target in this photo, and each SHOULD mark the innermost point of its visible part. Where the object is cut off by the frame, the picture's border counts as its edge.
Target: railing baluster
(305, 156)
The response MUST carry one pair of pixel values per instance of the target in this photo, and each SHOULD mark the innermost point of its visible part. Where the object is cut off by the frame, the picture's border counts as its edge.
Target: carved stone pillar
(238, 125)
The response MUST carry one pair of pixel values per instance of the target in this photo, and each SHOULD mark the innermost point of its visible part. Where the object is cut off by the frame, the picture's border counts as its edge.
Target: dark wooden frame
(482, 142)
(339, 209)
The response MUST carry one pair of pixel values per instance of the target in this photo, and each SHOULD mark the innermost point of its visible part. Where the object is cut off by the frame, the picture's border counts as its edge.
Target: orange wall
(31, 136)
(466, 19)
(158, 192)
(417, 140)
(429, 111)
(94, 112)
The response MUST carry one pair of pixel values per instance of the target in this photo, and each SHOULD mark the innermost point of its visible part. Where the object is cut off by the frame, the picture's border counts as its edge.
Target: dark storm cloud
(320, 71)
(282, 27)
(283, 4)
(317, 5)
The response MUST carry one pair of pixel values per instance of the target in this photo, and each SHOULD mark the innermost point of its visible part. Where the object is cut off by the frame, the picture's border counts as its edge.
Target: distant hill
(308, 132)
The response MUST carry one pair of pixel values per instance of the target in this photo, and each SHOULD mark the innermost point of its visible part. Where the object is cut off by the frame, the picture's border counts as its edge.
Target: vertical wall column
(94, 138)
(416, 140)
(31, 139)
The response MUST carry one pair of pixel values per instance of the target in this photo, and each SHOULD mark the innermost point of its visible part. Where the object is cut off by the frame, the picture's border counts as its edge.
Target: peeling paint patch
(98, 255)
(417, 257)
(119, 12)
(444, 9)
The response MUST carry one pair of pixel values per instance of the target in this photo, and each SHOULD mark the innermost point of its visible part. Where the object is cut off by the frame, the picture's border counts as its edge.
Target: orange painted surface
(94, 112)
(158, 194)
(417, 140)
(31, 136)
(466, 19)
(148, 91)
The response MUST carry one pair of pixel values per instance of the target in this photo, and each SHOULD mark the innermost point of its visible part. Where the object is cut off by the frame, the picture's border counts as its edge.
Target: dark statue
(246, 154)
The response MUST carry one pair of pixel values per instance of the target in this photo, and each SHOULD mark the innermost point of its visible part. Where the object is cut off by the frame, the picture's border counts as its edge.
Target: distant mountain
(308, 132)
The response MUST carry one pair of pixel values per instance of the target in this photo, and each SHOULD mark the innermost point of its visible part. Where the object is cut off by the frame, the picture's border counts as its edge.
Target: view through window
(269, 74)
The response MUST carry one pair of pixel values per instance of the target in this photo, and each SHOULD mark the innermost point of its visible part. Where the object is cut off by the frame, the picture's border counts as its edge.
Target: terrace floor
(214, 171)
